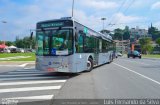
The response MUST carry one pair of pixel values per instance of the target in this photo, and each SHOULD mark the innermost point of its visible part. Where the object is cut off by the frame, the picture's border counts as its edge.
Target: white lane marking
(10, 65)
(138, 73)
(25, 72)
(32, 82)
(136, 62)
(29, 68)
(21, 75)
(26, 78)
(23, 65)
(29, 89)
(41, 97)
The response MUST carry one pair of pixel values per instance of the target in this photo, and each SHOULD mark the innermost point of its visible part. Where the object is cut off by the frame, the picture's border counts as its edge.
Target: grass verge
(151, 56)
(5, 55)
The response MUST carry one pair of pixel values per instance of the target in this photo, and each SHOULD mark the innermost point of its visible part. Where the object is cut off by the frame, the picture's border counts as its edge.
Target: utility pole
(122, 44)
(4, 22)
(72, 8)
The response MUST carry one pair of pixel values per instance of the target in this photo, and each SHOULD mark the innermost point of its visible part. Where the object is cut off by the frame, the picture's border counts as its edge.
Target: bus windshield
(55, 42)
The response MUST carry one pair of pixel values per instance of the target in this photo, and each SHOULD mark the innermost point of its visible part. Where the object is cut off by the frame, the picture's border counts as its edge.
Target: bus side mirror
(31, 36)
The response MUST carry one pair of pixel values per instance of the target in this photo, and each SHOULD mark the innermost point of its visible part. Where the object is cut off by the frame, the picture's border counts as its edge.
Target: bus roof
(103, 36)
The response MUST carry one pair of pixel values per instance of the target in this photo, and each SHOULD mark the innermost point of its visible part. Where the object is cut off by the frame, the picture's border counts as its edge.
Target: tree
(19, 43)
(9, 43)
(105, 31)
(118, 34)
(146, 46)
(26, 42)
(158, 41)
(126, 35)
(154, 32)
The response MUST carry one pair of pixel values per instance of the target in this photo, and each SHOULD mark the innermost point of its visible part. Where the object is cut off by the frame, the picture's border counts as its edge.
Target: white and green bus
(65, 45)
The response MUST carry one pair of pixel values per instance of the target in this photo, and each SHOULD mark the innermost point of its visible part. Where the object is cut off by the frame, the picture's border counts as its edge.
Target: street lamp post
(4, 22)
(72, 8)
(103, 19)
(123, 47)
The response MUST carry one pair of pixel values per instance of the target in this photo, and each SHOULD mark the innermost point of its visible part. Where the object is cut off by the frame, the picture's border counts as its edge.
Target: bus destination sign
(57, 24)
(51, 24)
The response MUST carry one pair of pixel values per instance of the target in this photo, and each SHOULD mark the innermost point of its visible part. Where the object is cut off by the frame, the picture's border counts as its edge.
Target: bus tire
(89, 64)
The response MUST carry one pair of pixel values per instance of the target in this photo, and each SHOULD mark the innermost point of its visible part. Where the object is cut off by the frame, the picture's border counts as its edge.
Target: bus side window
(100, 45)
(79, 43)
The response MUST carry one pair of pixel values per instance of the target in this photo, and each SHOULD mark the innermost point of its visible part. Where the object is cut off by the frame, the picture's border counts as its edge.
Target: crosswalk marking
(29, 89)
(22, 75)
(23, 65)
(29, 68)
(26, 78)
(11, 65)
(29, 85)
(41, 97)
(32, 82)
(27, 75)
(25, 72)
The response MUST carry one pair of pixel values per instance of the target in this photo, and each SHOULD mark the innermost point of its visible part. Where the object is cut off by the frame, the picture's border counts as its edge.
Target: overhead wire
(122, 4)
(124, 12)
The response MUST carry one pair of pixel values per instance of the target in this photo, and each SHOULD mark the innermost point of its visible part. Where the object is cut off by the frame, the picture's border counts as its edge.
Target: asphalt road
(123, 78)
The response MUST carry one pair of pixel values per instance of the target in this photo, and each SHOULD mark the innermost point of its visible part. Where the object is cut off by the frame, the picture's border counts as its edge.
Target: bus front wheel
(89, 64)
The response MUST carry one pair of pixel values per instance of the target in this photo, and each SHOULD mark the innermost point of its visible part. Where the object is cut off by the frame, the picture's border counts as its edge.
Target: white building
(137, 33)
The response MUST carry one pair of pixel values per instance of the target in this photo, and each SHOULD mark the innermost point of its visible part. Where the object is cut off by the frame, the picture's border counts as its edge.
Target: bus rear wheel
(89, 64)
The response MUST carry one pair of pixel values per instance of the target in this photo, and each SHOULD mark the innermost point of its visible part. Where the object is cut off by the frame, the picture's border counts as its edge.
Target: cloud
(156, 5)
(99, 4)
(23, 16)
(121, 18)
(90, 21)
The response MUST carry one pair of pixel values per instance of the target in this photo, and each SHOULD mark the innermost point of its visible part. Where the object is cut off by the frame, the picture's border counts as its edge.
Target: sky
(21, 16)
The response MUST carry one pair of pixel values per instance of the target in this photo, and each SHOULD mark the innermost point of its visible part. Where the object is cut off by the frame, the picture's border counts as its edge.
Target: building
(136, 33)
(122, 46)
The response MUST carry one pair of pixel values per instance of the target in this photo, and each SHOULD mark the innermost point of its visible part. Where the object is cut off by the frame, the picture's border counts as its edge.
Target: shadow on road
(58, 74)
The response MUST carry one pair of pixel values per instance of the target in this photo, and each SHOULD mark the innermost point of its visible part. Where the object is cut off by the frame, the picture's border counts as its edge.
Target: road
(123, 78)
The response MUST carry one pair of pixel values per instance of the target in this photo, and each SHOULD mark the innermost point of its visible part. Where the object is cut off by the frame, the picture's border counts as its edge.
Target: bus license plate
(51, 69)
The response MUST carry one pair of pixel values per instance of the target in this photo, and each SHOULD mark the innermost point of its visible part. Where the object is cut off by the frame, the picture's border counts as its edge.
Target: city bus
(65, 45)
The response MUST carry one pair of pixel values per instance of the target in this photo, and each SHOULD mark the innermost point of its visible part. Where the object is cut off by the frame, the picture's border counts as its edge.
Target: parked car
(29, 50)
(1, 50)
(134, 54)
(13, 50)
(6, 50)
(119, 54)
(20, 50)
